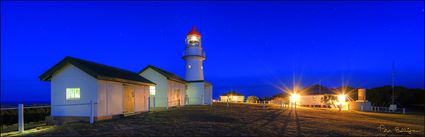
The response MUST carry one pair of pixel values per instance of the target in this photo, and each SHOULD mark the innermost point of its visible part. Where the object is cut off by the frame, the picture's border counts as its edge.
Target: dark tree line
(404, 97)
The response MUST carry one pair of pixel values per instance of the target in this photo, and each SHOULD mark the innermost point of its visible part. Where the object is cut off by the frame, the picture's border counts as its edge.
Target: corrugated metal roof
(98, 71)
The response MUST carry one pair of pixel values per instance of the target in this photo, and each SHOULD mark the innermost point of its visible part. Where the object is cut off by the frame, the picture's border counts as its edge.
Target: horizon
(257, 53)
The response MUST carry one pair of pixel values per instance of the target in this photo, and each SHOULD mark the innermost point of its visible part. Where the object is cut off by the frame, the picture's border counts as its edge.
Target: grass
(245, 120)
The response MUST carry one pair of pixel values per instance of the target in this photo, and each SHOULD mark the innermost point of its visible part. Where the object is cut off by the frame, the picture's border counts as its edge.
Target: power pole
(393, 83)
(320, 86)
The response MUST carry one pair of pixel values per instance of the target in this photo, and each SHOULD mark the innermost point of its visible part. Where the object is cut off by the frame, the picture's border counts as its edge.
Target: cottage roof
(167, 74)
(98, 71)
(232, 93)
(317, 90)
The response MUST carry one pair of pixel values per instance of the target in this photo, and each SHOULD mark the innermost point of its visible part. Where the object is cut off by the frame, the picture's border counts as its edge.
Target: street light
(341, 98)
(342, 102)
(294, 98)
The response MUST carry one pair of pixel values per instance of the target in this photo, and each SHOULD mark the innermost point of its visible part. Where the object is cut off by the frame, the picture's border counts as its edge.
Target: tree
(252, 99)
(328, 99)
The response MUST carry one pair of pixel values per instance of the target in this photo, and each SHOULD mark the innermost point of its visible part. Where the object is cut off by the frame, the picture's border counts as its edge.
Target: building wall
(195, 93)
(208, 94)
(310, 100)
(160, 98)
(279, 100)
(141, 98)
(232, 98)
(72, 77)
(176, 93)
(110, 100)
(195, 71)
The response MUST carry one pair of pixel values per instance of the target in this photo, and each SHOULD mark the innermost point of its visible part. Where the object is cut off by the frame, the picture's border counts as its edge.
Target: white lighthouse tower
(199, 91)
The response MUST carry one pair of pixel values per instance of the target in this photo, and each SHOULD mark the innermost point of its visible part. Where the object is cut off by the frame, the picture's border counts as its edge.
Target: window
(152, 90)
(189, 66)
(72, 93)
(202, 67)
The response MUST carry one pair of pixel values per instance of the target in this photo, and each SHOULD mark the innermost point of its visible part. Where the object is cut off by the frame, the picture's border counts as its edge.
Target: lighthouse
(199, 91)
(194, 56)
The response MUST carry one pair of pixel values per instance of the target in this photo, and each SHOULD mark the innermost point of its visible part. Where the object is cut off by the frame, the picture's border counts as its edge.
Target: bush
(252, 99)
(9, 117)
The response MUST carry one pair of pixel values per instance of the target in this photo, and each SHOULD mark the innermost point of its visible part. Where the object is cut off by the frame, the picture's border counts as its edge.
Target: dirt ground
(248, 120)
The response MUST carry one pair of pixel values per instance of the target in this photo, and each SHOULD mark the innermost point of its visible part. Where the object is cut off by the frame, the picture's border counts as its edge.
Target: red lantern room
(193, 38)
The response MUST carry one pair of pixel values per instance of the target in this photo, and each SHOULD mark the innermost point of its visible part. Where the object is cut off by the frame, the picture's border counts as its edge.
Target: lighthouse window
(189, 66)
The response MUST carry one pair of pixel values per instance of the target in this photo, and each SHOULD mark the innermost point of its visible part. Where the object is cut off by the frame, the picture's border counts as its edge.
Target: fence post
(264, 105)
(227, 102)
(21, 118)
(404, 111)
(154, 102)
(167, 102)
(178, 102)
(361, 107)
(149, 103)
(281, 105)
(91, 112)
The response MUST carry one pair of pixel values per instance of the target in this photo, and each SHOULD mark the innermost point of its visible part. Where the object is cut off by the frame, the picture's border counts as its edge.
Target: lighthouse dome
(193, 38)
(194, 32)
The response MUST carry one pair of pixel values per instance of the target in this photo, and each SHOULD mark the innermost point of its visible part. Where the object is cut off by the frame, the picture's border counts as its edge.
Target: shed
(81, 88)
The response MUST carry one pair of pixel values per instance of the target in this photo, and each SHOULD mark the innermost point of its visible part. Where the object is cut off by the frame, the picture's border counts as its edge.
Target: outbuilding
(232, 96)
(170, 89)
(81, 89)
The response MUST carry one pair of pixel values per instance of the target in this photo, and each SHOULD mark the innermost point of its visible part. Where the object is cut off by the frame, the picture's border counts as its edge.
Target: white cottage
(232, 96)
(82, 88)
(170, 89)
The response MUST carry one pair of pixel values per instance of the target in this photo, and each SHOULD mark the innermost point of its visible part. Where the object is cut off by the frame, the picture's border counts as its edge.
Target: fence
(382, 109)
(21, 111)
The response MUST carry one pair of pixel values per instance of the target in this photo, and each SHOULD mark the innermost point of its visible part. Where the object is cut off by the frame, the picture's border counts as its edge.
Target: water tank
(361, 94)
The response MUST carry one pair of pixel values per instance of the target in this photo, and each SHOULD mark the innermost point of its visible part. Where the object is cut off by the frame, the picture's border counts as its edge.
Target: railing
(21, 108)
(175, 102)
(202, 54)
(382, 109)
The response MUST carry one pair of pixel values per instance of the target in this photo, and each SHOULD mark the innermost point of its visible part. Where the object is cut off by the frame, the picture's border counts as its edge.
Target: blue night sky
(251, 47)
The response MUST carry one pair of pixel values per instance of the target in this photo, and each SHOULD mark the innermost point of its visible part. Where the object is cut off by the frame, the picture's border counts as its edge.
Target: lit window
(235, 98)
(72, 93)
(189, 66)
(152, 90)
(202, 67)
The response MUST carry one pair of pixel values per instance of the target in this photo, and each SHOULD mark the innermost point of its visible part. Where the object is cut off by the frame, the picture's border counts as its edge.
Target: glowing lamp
(294, 97)
(341, 98)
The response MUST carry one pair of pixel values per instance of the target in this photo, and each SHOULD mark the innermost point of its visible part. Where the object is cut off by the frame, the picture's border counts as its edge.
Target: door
(128, 99)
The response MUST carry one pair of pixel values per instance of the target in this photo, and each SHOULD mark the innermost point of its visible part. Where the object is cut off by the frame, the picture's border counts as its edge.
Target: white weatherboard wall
(110, 98)
(161, 87)
(195, 92)
(232, 98)
(176, 93)
(72, 77)
(310, 100)
(141, 98)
